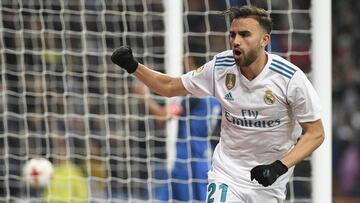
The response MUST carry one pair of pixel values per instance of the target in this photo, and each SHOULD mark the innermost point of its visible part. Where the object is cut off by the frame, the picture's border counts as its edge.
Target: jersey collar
(259, 77)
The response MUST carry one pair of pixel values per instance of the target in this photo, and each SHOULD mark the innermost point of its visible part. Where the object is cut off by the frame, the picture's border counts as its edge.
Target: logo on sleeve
(198, 70)
(269, 98)
(230, 81)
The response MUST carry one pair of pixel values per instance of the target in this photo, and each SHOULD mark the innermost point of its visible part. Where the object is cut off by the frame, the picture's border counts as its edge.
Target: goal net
(61, 97)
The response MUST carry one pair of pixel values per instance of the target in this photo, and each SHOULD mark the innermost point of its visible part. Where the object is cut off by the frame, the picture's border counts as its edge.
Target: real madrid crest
(230, 81)
(269, 98)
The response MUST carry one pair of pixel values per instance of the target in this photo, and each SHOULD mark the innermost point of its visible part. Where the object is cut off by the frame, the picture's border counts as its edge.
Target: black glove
(267, 174)
(123, 57)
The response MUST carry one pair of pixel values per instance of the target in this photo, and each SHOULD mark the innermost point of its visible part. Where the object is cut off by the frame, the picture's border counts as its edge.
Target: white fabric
(259, 117)
(217, 192)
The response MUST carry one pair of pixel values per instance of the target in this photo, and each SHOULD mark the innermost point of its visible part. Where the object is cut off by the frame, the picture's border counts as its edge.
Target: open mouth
(237, 52)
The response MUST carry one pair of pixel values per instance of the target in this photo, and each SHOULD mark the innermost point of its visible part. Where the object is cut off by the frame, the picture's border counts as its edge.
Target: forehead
(242, 24)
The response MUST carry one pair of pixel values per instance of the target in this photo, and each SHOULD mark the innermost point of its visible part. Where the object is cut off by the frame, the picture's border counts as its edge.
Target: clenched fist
(267, 174)
(123, 57)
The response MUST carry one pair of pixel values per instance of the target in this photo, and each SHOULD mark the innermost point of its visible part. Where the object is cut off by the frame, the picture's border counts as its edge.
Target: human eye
(245, 34)
(232, 34)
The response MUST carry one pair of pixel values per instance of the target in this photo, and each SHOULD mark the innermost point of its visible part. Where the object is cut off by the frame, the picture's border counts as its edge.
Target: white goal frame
(173, 66)
(321, 63)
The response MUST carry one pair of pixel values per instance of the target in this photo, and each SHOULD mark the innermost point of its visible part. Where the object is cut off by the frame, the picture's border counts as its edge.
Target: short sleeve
(200, 82)
(303, 99)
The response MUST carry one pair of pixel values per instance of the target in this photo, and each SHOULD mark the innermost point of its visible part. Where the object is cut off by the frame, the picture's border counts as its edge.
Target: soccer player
(188, 176)
(193, 150)
(193, 145)
(68, 183)
(271, 118)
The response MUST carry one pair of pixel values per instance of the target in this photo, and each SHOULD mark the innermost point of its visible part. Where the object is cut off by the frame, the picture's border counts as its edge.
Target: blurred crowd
(58, 85)
(346, 99)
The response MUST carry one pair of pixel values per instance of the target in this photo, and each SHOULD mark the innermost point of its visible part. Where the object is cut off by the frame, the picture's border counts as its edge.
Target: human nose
(237, 40)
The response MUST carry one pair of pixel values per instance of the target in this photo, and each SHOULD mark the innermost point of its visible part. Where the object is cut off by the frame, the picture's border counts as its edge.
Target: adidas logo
(229, 97)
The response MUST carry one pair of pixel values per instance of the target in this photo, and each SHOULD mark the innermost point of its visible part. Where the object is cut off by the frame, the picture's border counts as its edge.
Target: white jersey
(259, 117)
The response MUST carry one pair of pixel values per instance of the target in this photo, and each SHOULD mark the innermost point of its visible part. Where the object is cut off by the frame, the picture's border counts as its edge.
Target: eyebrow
(242, 32)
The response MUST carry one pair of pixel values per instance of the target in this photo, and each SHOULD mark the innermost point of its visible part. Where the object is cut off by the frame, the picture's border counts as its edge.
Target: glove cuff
(280, 167)
(131, 67)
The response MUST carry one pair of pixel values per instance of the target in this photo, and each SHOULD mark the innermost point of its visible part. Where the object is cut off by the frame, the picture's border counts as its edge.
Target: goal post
(173, 65)
(321, 62)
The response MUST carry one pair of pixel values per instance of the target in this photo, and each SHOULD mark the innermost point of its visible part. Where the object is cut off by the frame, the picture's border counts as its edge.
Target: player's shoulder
(226, 53)
(283, 67)
(224, 59)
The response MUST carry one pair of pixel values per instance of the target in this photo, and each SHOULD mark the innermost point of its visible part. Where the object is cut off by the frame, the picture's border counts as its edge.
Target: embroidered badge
(230, 81)
(269, 98)
(198, 70)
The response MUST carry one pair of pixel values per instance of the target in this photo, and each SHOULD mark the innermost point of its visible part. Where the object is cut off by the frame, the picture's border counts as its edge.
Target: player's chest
(263, 98)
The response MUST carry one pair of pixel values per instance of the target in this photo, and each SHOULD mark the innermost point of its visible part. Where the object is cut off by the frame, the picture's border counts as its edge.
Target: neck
(255, 68)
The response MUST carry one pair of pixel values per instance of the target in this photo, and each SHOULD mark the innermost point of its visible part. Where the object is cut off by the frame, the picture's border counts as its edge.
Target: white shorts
(219, 190)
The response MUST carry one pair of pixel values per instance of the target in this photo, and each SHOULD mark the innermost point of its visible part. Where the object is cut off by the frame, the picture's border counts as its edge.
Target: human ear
(265, 39)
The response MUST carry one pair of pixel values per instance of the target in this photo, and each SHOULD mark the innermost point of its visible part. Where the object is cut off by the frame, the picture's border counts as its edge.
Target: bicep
(312, 139)
(313, 128)
(177, 87)
(160, 83)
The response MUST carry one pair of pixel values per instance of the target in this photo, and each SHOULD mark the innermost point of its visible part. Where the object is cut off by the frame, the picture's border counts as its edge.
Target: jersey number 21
(213, 188)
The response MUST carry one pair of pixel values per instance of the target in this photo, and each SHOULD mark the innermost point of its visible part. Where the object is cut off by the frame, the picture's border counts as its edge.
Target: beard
(248, 57)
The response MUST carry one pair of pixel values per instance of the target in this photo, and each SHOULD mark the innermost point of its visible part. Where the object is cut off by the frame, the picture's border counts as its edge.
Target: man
(267, 102)
(68, 183)
(198, 124)
(188, 176)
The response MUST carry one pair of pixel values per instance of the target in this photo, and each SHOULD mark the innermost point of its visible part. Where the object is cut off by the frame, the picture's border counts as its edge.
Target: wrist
(132, 66)
(287, 162)
(280, 167)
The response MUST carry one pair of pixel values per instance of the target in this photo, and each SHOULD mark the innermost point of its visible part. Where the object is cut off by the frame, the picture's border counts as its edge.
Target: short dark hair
(258, 14)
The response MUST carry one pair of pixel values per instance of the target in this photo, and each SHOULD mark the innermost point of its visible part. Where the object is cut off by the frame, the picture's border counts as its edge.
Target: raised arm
(160, 83)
